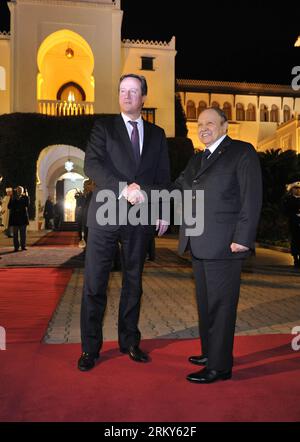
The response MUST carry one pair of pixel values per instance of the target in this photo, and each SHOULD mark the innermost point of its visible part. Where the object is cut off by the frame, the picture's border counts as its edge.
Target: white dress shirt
(213, 147)
(140, 126)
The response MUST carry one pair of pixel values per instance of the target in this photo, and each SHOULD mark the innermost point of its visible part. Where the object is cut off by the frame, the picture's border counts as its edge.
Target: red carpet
(41, 383)
(59, 239)
(28, 299)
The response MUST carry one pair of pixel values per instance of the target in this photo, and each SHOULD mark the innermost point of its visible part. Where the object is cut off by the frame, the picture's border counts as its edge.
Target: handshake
(133, 194)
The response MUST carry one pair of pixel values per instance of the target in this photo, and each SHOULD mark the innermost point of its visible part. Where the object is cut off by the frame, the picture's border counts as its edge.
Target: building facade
(65, 57)
(265, 115)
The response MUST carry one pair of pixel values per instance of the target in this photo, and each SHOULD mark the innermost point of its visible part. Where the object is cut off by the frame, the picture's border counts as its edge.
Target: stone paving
(269, 301)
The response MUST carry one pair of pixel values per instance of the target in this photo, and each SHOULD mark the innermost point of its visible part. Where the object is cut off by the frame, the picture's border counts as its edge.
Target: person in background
(18, 217)
(80, 202)
(5, 212)
(49, 213)
(292, 210)
(58, 209)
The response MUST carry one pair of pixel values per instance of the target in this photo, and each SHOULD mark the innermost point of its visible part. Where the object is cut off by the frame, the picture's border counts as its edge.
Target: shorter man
(228, 171)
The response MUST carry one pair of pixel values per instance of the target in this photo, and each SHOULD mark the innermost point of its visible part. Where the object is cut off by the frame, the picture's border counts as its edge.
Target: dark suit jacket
(109, 160)
(232, 184)
(18, 215)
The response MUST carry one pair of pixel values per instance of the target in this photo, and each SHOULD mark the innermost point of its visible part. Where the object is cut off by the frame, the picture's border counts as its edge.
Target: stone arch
(51, 166)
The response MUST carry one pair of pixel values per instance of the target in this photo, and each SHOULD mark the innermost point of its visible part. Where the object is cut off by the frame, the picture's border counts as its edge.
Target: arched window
(2, 79)
(201, 107)
(215, 104)
(274, 116)
(227, 110)
(286, 113)
(190, 110)
(71, 92)
(264, 113)
(251, 112)
(240, 112)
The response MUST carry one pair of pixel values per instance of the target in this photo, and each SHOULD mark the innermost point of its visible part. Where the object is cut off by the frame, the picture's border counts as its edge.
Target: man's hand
(133, 194)
(135, 197)
(161, 226)
(238, 248)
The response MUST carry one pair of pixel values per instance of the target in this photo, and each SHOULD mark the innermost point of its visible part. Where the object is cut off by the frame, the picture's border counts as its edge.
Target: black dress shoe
(198, 360)
(207, 376)
(87, 361)
(24, 248)
(136, 354)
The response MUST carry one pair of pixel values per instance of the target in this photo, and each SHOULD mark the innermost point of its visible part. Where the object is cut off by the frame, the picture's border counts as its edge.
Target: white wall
(4, 74)
(98, 23)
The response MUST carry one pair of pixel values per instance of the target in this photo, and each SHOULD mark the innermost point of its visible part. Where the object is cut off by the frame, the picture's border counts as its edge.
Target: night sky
(234, 41)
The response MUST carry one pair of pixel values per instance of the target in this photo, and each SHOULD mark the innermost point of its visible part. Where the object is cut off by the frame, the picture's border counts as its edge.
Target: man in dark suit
(228, 171)
(18, 216)
(122, 149)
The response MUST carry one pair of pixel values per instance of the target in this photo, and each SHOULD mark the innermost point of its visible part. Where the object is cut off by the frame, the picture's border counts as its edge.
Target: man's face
(210, 127)
(130, 97)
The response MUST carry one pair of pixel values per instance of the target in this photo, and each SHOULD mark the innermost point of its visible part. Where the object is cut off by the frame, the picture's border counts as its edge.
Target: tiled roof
(233, 87)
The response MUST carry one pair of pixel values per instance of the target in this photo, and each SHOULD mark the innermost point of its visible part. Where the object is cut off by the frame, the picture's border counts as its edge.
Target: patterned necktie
(135, 141)
(205, 156)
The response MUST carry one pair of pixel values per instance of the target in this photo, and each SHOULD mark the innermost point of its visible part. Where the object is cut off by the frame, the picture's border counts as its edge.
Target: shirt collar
(213, 146)
(127, 119)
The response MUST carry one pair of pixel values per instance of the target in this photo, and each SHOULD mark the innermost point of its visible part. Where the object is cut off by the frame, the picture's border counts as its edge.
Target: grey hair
(142, 80)
(219, 112)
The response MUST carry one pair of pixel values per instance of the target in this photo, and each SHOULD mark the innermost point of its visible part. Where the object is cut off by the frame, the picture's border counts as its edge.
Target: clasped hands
(133, 195)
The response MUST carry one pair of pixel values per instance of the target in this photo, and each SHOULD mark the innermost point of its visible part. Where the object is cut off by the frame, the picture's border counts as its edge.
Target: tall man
(121, 149)
(229, 173)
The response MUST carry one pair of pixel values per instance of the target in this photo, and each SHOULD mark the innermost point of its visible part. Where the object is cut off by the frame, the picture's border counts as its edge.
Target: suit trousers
(217, 291)
(22, 230)
(100, 253)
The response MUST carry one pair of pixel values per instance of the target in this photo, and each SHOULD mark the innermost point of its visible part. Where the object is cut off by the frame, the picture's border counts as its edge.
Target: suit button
(193, 197)
(195, 181)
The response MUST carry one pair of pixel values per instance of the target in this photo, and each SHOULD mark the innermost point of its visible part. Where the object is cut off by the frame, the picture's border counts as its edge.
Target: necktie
(205, 156)
(135, 141)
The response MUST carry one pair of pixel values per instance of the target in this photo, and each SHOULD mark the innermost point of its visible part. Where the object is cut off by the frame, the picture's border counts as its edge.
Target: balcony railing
(65, 108)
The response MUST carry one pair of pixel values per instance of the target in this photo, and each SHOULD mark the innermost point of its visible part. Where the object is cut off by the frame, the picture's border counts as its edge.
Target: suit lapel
(124, 137)
(215, 156)
(146, 143)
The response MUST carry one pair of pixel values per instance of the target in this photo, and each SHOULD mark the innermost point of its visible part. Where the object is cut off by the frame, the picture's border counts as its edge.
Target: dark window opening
(147, 63)
(148, 114)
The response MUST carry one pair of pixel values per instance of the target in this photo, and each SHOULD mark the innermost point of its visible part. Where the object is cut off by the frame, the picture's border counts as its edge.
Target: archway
(51, 171)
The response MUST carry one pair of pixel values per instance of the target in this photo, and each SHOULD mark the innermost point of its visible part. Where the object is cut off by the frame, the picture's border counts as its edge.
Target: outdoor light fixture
(69, 52)
(71, 97)
(69, 165)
